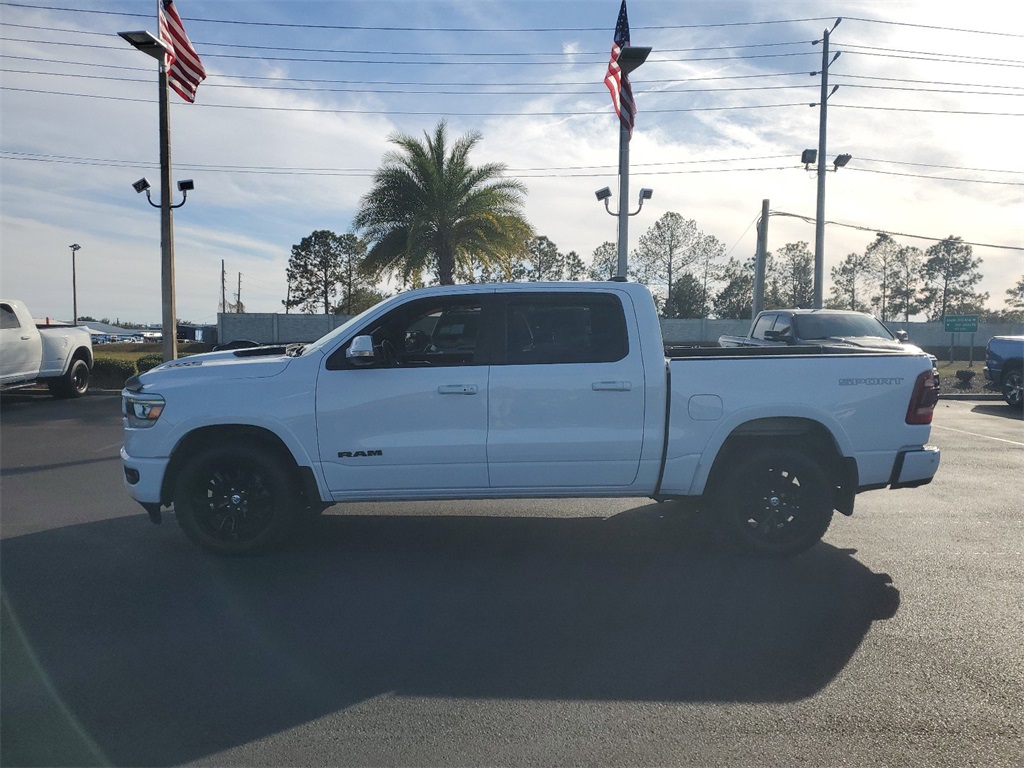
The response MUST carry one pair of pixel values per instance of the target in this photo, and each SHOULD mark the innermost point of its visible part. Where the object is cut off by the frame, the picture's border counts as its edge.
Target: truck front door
(20, 348)
(414, 419)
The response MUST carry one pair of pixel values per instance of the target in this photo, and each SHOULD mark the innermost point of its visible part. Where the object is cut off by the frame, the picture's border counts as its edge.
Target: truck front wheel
(1013, 388)
(775, 501)
(236, 499)
(74, 383)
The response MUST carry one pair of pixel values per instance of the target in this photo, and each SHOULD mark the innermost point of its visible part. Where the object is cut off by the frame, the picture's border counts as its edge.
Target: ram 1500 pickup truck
(818, 327)
(522, 390)
(58, 356)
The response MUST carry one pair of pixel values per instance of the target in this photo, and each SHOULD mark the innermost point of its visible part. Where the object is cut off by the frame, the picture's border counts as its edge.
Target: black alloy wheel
(775, 502)
(236, 499)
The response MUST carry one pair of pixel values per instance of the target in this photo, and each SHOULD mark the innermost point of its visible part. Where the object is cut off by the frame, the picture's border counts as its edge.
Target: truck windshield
(839, 326)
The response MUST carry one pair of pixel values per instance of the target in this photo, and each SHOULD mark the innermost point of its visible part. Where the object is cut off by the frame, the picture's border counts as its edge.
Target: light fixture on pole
(809, 157)
(153, 46)
(75, 248)
(604, 195)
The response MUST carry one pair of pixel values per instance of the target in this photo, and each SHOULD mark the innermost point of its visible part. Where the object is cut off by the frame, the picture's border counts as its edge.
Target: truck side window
(764, 323)
(782, 325)
(8, 319)
(564, 328)
(430, 332)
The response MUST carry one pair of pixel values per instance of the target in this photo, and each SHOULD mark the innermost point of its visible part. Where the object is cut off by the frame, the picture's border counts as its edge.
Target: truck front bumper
(143, 479)
(914, 468)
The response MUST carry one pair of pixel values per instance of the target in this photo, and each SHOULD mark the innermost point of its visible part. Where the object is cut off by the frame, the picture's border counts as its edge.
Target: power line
(533, 83)
(848, 48)
(478, 30)
(358, 52)
(932, 26)
(676, 110)
(554, 171)
(937, 178)
(810, 220)
(927, 111)
(392, 62)
(591, 88)
(933, 165)
(324, 110)
(363, 28)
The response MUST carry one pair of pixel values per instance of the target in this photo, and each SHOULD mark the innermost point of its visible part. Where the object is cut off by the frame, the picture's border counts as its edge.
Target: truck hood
(257, 363)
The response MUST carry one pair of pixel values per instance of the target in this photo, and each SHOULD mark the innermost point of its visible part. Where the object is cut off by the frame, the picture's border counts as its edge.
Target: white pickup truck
(522, 390)
(59, 356)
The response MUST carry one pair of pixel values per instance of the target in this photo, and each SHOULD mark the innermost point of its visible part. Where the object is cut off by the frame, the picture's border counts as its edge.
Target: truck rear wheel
(236, 499)
(775, 501)
(74, 383)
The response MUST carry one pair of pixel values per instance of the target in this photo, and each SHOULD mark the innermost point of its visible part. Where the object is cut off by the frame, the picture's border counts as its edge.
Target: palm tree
(430, 209)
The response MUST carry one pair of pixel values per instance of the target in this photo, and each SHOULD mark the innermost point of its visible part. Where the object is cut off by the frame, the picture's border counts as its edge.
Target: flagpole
(169, 321)
(623, 246)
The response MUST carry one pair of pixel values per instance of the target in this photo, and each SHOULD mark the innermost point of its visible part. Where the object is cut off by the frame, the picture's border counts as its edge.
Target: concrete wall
(275, 328)
(270, 328)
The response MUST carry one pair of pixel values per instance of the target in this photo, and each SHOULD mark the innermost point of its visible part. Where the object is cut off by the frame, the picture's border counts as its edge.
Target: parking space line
(977, 434)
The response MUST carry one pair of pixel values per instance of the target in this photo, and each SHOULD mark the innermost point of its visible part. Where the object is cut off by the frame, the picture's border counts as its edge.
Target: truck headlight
(141, 410)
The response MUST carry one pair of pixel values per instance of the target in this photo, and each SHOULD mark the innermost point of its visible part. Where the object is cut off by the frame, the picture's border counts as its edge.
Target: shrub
(963, 378)
(146, 362)
(110, 373)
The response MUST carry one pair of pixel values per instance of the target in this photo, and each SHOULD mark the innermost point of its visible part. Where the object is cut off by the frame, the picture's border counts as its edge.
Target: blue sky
(301, 97)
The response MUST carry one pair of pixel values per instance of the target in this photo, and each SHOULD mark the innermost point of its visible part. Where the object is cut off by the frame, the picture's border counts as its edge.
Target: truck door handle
(457, 389)
(611, 386)
(25, 338)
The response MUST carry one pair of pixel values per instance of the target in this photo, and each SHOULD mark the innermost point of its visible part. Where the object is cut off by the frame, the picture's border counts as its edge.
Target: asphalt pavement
(601, 632)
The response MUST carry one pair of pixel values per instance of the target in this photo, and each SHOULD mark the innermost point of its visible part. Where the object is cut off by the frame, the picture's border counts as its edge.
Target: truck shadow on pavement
(124, 643)
(1000, 409)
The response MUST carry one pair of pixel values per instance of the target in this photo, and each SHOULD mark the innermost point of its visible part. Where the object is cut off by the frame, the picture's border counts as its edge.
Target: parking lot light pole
(75, 248)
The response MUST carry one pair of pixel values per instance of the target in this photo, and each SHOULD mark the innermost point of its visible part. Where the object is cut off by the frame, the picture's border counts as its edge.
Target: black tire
(774, 502)
(237, 499)
(74, 383)
(1013, 388)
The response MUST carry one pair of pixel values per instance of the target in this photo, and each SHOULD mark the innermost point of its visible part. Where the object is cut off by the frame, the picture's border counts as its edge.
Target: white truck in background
(58, 356)
(523, 390)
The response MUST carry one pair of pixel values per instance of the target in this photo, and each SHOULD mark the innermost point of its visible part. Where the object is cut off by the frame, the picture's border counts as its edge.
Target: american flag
(184, 69)
(616, 80)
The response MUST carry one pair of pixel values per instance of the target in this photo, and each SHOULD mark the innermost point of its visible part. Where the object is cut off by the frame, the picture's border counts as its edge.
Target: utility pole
(760, 260)
(223, 289)
(819, 219)
(238, 296)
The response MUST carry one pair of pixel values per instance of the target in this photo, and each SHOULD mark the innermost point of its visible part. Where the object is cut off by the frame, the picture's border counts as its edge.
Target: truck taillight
(924, 399)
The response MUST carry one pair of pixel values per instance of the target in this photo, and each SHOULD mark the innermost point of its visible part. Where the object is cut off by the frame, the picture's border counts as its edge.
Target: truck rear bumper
(914, 468)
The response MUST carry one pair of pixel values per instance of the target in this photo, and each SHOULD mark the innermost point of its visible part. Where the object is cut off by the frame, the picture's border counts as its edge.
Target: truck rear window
(553, 328)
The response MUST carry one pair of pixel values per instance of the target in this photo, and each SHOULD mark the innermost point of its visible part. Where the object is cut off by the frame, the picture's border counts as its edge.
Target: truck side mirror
(902, 336)
(360, 351)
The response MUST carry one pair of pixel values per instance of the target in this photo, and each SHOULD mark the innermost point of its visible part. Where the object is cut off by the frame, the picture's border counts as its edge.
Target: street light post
(75, 248)
(151, 45)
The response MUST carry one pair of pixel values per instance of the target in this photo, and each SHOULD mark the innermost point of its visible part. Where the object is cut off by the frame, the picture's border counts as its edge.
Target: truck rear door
(566, 395)
(20, 347)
